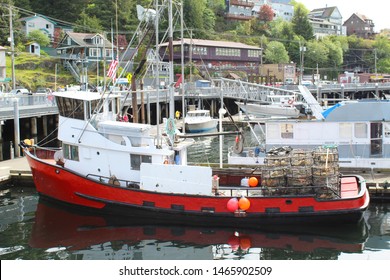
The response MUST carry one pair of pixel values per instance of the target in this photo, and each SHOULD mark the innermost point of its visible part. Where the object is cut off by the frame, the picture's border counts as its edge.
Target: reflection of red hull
(58, 227)
(63, 185)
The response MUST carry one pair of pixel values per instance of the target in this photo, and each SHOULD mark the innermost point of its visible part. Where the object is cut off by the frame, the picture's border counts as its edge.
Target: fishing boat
(127, 169)
(109, 165)
(360, 129)
(198, 121)
(90, 235)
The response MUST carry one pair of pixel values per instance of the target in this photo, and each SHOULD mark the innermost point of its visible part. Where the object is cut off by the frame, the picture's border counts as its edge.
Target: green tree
(316, 54)
(86, 24)
(39, 37)
(300, 22)
(276, 53)
(68, 11)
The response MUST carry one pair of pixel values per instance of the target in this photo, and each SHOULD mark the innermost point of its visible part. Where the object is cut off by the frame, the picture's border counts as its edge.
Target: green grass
(33, 71)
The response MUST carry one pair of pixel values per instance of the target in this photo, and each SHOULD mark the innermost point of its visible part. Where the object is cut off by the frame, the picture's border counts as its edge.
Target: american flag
(112, 70)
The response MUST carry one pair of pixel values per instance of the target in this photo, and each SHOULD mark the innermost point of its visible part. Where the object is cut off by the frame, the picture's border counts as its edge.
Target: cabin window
(70, 108)
(286, 131)
(386, 130)
(136, 160)
(361, 130)
(71, 152)
(345, 130)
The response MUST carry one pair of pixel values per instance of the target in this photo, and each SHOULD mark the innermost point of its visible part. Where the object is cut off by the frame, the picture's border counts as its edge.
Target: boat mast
(157, 75)
(170, 46)
(182, 64)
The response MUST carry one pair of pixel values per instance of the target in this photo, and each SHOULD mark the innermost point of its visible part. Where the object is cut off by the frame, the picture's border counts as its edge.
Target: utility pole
(302, 49)
(12, 43)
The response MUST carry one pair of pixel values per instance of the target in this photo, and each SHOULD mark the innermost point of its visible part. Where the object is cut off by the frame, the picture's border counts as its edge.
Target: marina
(117, 177)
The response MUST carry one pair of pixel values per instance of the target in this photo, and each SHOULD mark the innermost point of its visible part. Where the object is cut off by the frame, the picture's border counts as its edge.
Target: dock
(16, 172)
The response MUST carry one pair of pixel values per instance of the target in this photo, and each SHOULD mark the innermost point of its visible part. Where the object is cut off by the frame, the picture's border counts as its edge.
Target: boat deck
(349, 187)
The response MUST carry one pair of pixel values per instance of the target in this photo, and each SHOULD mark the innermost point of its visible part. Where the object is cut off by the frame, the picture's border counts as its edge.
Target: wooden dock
(16, 172)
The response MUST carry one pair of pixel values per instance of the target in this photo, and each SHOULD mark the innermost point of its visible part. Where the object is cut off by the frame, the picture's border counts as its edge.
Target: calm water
(34, 229)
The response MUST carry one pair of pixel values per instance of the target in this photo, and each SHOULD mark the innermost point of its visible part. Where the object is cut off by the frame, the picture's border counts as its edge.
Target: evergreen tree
(301, 24)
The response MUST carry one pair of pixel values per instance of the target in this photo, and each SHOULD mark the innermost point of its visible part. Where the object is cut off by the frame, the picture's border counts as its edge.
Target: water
(34, 229)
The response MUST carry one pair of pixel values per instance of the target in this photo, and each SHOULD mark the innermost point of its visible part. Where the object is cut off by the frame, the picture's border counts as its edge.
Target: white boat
(198, 120)
(359, 129)
(275, 106)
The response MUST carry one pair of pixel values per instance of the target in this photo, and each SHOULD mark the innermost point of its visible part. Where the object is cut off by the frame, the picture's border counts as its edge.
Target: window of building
(286, 131)
(47, 26)
(136, 160)
(98, 40)
(254, 53)
(31, 24)
(361, 130)
(227, 52)
(94, 52)
(345, 130)
(71, 152)
(108, 53)
(199, 50)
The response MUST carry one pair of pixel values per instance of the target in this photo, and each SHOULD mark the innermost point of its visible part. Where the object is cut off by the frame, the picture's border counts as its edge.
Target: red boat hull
(58, 183)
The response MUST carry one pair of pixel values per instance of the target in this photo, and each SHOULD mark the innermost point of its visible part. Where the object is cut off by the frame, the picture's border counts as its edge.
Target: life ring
(291, 101)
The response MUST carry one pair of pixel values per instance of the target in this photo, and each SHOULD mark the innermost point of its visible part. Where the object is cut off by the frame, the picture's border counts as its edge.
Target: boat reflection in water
(80, 235)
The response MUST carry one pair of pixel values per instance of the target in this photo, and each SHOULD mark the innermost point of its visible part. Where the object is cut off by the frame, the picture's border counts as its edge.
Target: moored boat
(125, 169)
(359, 129)
(198, 120)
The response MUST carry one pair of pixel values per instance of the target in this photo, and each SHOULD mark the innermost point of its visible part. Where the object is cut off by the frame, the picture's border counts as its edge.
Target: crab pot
(301, 158)
(273, 176)
(299, 176)
(276, 161)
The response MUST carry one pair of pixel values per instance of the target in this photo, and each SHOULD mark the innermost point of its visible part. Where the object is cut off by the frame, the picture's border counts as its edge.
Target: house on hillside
(327, 21)
(360, 25)
(79, 51)
(282, 8)
(215, 57)
(239, 9)
(50, 28)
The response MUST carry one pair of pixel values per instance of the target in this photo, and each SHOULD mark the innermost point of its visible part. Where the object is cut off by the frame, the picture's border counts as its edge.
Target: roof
(37, 16)
(212, 43)
(362, 17)
(362, 110)
(326, 12)
(79, 39)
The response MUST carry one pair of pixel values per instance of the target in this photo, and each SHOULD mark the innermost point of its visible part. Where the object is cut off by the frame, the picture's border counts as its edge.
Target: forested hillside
(281, 40)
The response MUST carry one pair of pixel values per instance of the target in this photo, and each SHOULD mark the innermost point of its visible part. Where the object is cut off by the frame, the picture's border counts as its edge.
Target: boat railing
(319, 192)
(114, 181)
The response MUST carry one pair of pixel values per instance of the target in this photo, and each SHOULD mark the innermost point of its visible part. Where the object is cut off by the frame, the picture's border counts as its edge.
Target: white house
(327, 21)
(282, 9)
(38, 22)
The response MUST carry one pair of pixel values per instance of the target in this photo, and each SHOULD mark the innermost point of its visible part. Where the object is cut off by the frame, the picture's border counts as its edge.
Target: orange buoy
(253, 182)
(244, 203)
(232, 204)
